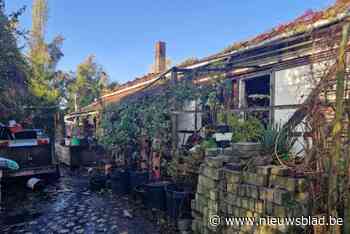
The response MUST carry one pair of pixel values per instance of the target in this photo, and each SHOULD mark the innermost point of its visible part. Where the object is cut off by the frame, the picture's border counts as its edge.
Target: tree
(89, 82)
(113, 86)
(13, 67)
(43, 57)
(55, 52)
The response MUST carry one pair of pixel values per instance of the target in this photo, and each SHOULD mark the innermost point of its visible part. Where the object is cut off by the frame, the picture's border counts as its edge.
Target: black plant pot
(178, 201)
(155, 196)
(120, 182)
(138, 178)
(140, 194)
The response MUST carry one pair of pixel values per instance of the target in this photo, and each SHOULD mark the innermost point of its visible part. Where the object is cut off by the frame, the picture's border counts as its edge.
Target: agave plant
(277, 139)
(268, 139)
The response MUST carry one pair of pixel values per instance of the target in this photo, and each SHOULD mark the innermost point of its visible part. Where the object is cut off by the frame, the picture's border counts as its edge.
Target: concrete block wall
(226, 189)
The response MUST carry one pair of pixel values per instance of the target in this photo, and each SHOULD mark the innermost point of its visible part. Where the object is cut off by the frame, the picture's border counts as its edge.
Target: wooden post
(195, 116)
(145, 153)
(337, 164)
(174, 118)
(346, 228)
(272, 97)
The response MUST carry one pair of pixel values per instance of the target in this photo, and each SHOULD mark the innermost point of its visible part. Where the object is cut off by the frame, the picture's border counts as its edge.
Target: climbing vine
(149, 114)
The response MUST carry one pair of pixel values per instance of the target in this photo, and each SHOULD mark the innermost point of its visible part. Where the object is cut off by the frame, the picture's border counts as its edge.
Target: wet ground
(68, 206)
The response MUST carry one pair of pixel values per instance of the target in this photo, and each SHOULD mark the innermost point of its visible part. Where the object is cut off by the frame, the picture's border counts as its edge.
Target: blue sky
(122, 34)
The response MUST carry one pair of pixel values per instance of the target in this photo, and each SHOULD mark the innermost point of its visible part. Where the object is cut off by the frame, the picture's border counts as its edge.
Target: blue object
(8, 164)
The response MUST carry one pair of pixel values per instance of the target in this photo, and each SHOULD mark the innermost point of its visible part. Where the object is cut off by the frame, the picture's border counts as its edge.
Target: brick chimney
(160, 63)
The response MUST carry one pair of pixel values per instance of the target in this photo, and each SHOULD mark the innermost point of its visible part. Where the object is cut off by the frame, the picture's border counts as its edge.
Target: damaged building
(271, 75)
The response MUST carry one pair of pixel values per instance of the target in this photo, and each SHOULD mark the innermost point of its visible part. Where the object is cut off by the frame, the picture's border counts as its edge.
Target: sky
(122, 34)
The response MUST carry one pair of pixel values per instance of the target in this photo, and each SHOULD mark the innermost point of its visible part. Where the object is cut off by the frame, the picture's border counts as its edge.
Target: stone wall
(227, 187)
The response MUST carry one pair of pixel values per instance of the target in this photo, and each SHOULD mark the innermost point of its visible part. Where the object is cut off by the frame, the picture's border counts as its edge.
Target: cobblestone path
(69, 207)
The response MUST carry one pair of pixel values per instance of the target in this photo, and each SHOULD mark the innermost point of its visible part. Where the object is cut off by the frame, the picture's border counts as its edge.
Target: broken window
(256, 98)
(257, 91)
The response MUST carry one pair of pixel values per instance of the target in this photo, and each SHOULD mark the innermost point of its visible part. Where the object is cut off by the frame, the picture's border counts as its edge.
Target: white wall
(292, 86)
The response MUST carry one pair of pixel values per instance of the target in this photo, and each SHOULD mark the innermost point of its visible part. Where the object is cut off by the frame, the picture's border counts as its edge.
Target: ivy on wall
(148, 115)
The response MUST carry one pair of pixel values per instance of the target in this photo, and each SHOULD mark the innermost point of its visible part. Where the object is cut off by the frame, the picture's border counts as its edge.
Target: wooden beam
(272, 95)
(174, 118)
(338, 168)
(302, 110)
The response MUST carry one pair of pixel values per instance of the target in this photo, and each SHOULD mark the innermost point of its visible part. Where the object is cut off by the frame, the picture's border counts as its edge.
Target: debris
(35, 184)
(90, 170)
(127, 214)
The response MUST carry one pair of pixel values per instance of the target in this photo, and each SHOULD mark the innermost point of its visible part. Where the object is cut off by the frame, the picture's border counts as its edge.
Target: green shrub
(245, 131)
(208, 143)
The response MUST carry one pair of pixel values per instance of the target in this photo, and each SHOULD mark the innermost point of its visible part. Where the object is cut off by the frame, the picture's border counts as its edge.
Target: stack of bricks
(206, 202)
(226, 189)
(269, 191)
